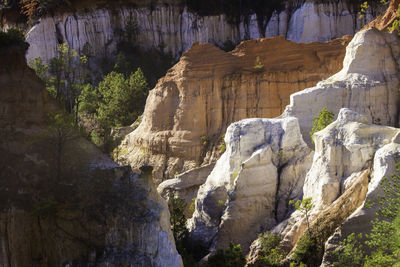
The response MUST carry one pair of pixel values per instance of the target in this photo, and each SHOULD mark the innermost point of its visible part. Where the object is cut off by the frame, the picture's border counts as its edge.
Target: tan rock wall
(190, 108)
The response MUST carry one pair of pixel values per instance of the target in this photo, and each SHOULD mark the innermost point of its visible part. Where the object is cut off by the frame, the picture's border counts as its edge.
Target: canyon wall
(172, 27)
(94, 212)
(190, 108)
(346, 153)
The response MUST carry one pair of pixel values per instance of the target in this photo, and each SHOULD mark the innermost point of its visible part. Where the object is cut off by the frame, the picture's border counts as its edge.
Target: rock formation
(360, 221)
(190, 108)
(50, 222)
(96, 30)
(368, 83)
(344, 151)
(263, 168)
(343, 156)
(186, 185)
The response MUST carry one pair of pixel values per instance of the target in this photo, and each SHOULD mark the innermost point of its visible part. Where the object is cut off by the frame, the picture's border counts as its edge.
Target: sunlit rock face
(264, 166)
(367, 84)
(189, 110)
(351, 157)
(345, 147)
(96, 31)
(132, 233)
(348, 153)
(360, 221)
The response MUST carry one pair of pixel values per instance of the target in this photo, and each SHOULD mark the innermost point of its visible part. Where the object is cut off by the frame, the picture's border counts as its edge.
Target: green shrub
(13, 36)
(204, 140)
(324, 118)
(258, 64)
(384, 240)
(231, 257)
(351, 253)
(307, 250)
(271, 254)
(222, 144)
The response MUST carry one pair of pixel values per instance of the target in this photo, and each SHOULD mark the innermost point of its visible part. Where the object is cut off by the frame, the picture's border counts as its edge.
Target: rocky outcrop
(188, 111)
(96, 31)
(186, 185)
(264, 166)
(335, 194)
(344, 152)
(337, 179)
(94, 213)
(360, 221)
(368, 83)
(334, 162)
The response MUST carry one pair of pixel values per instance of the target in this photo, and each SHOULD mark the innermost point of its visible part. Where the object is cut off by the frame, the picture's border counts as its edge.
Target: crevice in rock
(277, 198)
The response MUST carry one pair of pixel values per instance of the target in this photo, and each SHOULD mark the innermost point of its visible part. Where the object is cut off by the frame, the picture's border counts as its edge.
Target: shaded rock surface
(36, 226)
(190, 108)
(96, 30)
(186, 185)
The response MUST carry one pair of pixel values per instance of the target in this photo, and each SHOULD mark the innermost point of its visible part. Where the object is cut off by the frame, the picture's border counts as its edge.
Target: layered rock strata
(96, 31)
(36, 226)
(190, 108)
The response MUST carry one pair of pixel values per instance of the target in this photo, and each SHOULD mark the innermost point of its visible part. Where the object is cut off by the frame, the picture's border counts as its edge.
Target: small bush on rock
(324, 118)
(271, 254)
(231, 257)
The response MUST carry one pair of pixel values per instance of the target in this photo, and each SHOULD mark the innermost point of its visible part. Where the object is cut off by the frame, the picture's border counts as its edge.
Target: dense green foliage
(116, 101)
(231, 257)
(65, 77)
(351, 253)
(121, 99)
(382, 246)
(308, 250)
(12, 36)
(323, 119)
(271, 254)
(310, 246)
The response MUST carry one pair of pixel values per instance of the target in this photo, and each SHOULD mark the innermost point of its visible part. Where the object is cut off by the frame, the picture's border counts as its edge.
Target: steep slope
(94, 213)
(97, 30)
(337, 179)
(190, 108)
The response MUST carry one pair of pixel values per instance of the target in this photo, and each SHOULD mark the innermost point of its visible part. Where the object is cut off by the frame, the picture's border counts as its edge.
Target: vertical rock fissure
(278, 185)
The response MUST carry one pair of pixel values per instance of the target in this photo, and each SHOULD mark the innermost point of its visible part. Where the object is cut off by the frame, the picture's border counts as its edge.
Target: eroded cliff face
(97, 30)
(351, 155)
(263, 168)
(190, 108)
(367, 83)
(94, 213)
